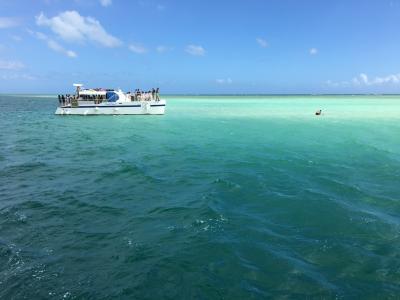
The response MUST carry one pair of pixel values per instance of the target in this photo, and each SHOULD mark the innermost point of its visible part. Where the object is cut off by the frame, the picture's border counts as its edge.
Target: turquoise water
(221, 198)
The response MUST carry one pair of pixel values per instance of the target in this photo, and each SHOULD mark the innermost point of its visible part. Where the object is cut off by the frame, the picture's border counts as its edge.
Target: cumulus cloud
(195, 50)
(137, 48)
(6, 22)
(11, 65)
(52, 44)
(224, 81)
(72, 27)
(105, 3)
(263, 43)
(313, 51)
(364, 80)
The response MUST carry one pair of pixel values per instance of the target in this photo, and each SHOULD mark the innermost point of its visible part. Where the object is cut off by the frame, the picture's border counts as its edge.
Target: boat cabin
(99, 95)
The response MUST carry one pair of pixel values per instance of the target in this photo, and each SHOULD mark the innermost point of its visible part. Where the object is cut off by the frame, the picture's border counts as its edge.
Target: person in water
(318, 112)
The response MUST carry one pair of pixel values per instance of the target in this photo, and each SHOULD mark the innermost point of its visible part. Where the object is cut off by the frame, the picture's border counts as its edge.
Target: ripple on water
(221, 198)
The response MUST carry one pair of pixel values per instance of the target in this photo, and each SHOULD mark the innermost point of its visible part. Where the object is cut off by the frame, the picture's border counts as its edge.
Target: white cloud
(163, 49)
(72, 27)
(58, 48)
(11, 65)
(263, 43)
(6, 22)
(52, 44)
(224, 81)
(195, 50)
(137, 48)
(363, 80)
(17, 76)
(313, 51)
(338, 84)
(105, 3)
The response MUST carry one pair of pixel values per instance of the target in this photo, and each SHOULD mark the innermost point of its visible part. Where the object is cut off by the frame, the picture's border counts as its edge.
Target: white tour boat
(110, 102)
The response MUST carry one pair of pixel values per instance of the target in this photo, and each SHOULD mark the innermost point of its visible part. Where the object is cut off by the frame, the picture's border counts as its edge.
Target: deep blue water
(221, 198)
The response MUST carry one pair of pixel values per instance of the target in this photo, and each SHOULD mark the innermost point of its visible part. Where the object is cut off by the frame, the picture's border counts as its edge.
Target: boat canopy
(91, 92)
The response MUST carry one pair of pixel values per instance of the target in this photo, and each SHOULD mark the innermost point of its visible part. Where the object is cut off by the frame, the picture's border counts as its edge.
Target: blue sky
(201, 46)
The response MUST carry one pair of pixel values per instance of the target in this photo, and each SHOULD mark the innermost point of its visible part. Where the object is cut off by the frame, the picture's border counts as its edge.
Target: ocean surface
(224, 197)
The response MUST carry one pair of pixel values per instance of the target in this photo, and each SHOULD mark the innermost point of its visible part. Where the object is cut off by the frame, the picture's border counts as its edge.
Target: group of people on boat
(64, 100)
(139, 95)
(92, 97)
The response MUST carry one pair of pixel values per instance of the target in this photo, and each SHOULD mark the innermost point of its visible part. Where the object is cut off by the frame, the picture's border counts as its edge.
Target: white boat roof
(92, 92)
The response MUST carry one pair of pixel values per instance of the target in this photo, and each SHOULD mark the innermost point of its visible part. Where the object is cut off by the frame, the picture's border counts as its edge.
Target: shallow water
(221, 198)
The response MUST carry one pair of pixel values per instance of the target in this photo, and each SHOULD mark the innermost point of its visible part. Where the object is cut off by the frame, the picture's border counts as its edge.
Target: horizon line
(239, 94)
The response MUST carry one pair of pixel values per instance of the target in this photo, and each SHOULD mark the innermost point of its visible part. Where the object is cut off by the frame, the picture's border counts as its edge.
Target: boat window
(112, 97)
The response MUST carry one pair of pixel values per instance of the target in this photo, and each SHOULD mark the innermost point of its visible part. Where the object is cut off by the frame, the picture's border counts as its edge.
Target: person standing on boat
(153, 94)
(157, 94)
(59, 100)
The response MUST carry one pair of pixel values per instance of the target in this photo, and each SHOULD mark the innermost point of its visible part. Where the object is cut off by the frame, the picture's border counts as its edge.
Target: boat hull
(132, 108)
